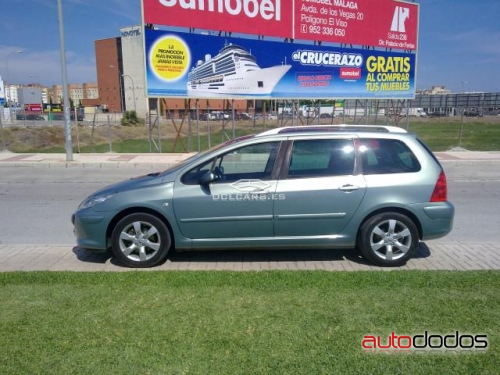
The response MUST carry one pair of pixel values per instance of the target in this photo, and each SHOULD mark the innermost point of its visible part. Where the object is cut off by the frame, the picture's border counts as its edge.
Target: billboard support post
(208, 125)
(233, 114)
(198, 123)
(158, 111)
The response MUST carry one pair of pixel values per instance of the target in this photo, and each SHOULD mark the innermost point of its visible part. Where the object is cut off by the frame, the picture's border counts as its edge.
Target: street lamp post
(19, 51)
(7, 77)
(460, 136)
(64, 76)
(133, 89)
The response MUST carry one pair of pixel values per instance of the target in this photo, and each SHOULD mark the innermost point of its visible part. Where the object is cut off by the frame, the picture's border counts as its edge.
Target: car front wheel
(388, 239)
(140, 240)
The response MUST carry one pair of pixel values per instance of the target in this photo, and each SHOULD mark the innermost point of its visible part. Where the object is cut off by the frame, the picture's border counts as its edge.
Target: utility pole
(64, 73)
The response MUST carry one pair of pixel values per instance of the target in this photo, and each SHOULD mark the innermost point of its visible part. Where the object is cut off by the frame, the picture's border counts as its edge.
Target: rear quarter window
(383, 156)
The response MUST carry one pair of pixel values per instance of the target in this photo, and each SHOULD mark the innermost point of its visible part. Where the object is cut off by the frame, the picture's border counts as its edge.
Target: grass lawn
(444, 135)
(241, 323)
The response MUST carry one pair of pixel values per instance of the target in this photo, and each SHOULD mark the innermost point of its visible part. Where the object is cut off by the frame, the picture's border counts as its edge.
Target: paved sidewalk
(430, 256)
(114, 160)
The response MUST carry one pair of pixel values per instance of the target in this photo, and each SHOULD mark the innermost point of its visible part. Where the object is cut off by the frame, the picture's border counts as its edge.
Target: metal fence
(190, 130)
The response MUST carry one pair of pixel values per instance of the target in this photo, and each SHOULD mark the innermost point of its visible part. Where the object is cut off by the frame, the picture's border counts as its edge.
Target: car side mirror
(207, 178)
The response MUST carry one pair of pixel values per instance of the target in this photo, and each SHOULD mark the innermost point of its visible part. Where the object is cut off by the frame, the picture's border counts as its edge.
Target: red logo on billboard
(350, 73)
(401, 14)
(33, 107)
(272, 17)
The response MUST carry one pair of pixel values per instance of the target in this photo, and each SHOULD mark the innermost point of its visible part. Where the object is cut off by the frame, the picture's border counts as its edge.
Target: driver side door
(237, 204)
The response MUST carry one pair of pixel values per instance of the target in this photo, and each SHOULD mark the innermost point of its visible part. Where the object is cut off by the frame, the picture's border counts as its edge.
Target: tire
(140, 240)
(388, 239)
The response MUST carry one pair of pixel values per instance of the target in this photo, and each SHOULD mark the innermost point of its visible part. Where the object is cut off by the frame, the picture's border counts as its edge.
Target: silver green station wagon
(376, 189)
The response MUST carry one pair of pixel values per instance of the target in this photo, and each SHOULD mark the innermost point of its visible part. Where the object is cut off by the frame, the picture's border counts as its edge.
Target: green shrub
(130, 118)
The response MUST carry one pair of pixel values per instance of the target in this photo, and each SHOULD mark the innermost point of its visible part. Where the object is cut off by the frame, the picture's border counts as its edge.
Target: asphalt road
(36, 203)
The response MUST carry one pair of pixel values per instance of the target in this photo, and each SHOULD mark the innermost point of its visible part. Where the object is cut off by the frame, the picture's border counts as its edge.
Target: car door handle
(348, 188)
(259, 191)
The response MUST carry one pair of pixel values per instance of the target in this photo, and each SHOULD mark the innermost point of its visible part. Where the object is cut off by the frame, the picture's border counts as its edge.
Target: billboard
(205, 66)
(54, 107)
(381, 23)
(34, 107)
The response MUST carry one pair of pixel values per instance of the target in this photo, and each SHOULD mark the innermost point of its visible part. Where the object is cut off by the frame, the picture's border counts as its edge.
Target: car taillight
(440, 193)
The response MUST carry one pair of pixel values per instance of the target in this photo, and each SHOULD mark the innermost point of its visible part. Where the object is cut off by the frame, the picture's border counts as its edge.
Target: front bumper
(90, 229)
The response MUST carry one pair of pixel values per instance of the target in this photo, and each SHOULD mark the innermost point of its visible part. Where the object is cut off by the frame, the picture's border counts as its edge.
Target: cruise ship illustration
(233, 71)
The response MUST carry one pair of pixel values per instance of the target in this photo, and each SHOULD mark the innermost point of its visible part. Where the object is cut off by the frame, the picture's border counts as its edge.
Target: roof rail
(333, 128)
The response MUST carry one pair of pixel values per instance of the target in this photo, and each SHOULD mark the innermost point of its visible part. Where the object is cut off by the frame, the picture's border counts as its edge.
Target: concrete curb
(430, 256)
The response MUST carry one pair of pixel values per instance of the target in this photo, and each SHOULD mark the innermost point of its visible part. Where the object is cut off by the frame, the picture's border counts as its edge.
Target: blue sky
(459, 40)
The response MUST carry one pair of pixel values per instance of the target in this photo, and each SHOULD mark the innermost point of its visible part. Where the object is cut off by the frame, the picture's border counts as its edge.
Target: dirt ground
(40, 136)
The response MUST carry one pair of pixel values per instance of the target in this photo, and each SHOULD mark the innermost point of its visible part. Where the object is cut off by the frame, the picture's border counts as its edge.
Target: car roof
(315, 129)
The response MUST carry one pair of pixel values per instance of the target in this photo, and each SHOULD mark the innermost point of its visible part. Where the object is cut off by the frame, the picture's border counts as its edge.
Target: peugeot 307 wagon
(376, 189)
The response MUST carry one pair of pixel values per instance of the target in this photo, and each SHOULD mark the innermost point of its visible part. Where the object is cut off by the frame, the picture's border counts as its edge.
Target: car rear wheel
(140, 240)
(388, 239)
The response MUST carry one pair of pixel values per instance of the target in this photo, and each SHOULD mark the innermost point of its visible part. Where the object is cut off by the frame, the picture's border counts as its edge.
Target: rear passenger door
(318, 189)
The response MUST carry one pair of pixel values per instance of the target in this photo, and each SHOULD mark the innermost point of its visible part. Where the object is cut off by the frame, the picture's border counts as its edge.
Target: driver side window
(249, 162)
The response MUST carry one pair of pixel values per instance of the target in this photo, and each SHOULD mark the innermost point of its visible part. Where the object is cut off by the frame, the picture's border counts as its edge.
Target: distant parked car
(473, 113)
(20, 117)
(60, 117)
(219, 115)
(205, 116)
(35, 118)
(438, 114)
(243, 116)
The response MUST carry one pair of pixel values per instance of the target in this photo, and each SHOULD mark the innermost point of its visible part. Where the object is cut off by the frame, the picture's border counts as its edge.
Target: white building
(11, 96)
(133, 79)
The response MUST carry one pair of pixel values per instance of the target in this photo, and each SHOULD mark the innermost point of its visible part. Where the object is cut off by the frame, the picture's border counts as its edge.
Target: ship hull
(254, 82)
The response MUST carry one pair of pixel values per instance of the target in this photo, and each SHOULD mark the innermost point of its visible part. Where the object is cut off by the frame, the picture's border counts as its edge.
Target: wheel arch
(398, 210)
(137, 210)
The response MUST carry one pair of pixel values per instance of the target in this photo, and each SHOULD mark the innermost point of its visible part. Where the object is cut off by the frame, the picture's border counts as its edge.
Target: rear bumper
(436, 219)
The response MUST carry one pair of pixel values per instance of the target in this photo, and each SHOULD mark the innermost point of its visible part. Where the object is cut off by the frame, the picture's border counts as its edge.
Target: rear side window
(382, 156)
(321, 157)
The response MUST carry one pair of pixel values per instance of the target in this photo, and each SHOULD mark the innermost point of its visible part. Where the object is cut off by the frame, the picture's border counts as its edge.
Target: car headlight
(92, 201)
